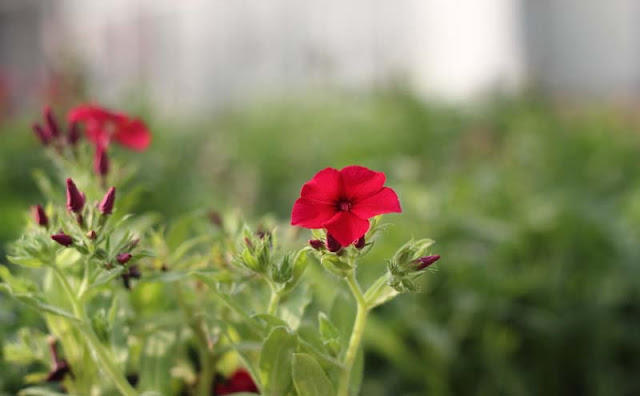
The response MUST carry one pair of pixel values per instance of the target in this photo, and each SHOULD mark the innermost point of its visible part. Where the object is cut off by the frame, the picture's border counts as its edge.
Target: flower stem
(356, 335)
(275, 298)
(100, 353)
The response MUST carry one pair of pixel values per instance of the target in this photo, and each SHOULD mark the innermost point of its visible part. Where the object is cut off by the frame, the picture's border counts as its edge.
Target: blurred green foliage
(535, 212)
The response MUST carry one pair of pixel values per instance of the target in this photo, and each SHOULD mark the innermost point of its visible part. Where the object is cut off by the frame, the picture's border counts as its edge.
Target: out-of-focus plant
(133, 306)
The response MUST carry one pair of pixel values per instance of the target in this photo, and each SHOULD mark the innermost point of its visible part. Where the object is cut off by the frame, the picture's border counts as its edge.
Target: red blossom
(102, 126)
(240, 381)
(342, 201)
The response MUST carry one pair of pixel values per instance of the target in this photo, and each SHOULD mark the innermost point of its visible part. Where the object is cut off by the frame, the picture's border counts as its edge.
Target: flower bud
(92, 235)
(359, 244)
(73, 134)
(41, 134)
(332, 245)
(424, 262)
(101, 162)
(75, 200)
(39, 215)
(317, 244)
(52, 124)
(60, 366)
(123, 258)
(106, 205)
(63, 239)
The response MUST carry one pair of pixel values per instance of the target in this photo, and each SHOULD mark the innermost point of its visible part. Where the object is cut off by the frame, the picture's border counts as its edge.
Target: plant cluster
(206, 306)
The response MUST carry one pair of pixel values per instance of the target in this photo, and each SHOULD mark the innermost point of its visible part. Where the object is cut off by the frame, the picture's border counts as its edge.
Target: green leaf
(41, 391)
(275, 361)
(25, 261)
(292, 308)
(380, 292)
(309, 378)
(107, 276)
(343, 313)
(156, 361)
(33, 301)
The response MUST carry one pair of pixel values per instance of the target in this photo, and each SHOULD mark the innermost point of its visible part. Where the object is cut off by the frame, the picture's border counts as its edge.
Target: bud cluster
(409, 262)
(52, 134)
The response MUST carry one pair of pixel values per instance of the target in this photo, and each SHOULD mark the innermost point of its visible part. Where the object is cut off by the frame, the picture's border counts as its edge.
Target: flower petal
(133, 134)
(346, 227)
(311, 214)
(360, 182)
(384, 201)
(88, 113)
(326, 186)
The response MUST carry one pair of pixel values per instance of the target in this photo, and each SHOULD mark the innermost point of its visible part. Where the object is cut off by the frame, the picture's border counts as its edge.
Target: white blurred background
(192, 56)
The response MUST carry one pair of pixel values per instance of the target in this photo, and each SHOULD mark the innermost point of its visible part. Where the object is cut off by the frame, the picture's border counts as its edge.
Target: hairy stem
(101, 354)
(356, 335)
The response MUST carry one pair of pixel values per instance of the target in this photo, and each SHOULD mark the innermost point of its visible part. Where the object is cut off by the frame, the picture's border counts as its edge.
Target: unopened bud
(92, 235)
(75, 200)
(106, 205)
(317, 244)
(41, 134)
(332, 244)
(39, 215)
(424, 262)
(123, 258)
(359, 244)
(62, 238)
(73, 134)
(52, 124)
(101, 162)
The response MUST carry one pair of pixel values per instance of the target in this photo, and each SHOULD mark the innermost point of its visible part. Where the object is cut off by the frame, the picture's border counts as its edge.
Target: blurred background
(508, 128)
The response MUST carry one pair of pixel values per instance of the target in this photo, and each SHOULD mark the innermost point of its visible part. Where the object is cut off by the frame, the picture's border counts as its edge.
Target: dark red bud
(92, 235)
(60, 366)
(106, 205)
(75, 200)
(39, 215)
(52, 124)
(424, 262)
(73, 134)
(41, 134)
(332, 245)
(134, 272)
(316, 244)
(359, 244)
(62, 238)
(101, 162)
(123, 258)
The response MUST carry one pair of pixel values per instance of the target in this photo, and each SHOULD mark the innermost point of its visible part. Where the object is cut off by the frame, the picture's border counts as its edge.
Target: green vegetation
(536, 214)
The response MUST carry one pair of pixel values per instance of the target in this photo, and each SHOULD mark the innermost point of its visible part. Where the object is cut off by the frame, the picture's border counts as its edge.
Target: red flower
(240, 381)
(343, 201)
(102, 126)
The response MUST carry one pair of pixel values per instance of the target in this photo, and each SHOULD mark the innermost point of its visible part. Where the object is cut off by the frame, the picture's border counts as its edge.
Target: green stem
(274, 300)
(356, 335)
(106, 363)
(207, 358)
(101, 354)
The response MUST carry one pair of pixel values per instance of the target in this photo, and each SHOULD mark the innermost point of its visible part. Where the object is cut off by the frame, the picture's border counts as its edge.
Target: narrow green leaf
(107, 276)
(275, 361)
(309, 378)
